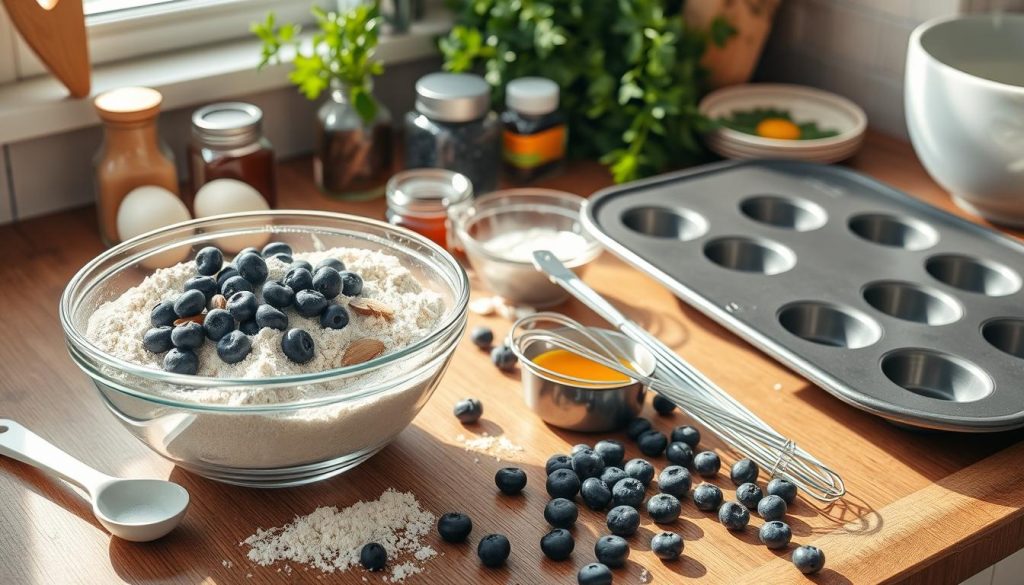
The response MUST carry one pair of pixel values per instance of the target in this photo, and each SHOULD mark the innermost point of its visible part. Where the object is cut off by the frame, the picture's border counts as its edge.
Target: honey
(571, 364)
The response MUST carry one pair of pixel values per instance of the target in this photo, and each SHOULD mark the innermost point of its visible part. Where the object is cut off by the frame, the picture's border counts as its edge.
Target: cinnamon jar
(228, 143)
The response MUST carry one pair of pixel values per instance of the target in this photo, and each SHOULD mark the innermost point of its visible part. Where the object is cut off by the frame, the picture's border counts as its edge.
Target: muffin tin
(892, 305)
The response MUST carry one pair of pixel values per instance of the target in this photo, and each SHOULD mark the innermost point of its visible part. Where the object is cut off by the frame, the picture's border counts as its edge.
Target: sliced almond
(362, 350)
(194, 319)
(218, 302)
(371, 308)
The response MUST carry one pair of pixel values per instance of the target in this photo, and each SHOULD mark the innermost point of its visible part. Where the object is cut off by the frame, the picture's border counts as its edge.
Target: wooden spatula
(55, 29)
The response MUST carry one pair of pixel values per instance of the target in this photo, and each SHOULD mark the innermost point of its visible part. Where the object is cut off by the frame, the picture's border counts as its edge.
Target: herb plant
(341, 50)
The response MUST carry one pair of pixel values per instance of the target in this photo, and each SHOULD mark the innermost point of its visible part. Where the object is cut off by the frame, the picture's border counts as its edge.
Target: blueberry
(493, 550)
(469, 410)
(663, 508)
(743, 471)
(561, 513)
(577, 448)
(667, 546)
(244, 251)
(188, 335)
(558, 544)
(707, 497)
(808, 559)
(707, 463)
(162, 314)
(652, 443)
(594, 574)
(209, 261)
(772, 508)
(181, 361)
(275, 248)
(204, 284)
(310, 303)
(351, 284)
(235, 284)
(242, 305)
(332, 262)
(596, 493)
(327, 282)
(679, 453)
(373, 557)
(611, 550)
(749, 495)
(157, 339)
(510, 480)
(189, 304)
(663, 406)
(557, 461)
(482, 337)
(268, 317)
(298, 279)
(233, 347)
(733, 516)
(299, 264)
(628, 492)
(686, 434)
(252, 267)
(640, 469)
(503, 358)
(297, 346)
(623, 520)
(674, 480)
(587, 463)
(637, 427)
(218, 323)
(333, 317)
(454, 527)
(278, 294)
(250, 327)
(562, 483)
(226, 273)
(775, 534)
(783, 488)
(611, 451)
(284, 259)
(612, 475)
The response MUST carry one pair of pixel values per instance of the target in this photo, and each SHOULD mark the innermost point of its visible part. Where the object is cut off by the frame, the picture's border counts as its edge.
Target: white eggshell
(149, 208)
(221, 196)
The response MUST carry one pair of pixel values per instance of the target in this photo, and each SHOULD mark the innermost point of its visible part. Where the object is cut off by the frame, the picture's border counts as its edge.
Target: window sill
(40, 107)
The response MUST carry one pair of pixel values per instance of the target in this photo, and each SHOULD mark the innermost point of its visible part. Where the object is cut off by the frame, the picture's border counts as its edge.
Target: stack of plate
(804, 104)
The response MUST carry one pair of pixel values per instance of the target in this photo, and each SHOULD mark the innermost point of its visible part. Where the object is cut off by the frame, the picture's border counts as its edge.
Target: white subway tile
(53, 173)
(891, 55)
(1010, 570)
(928, 9)
(982, 578)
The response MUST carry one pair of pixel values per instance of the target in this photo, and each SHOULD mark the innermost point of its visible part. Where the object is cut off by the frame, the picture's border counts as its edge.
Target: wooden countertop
(922, 507)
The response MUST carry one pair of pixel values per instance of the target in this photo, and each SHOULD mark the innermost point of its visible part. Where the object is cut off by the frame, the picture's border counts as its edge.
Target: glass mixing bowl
(347, 414)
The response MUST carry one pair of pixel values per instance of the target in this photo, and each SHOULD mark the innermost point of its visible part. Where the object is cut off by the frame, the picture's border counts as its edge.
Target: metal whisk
(684, 385)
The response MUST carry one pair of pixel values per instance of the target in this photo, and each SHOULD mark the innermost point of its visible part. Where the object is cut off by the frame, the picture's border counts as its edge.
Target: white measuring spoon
(139, 510)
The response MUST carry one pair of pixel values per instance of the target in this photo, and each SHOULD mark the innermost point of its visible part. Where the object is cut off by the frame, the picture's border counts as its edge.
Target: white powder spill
(330, 539)
(498, 447)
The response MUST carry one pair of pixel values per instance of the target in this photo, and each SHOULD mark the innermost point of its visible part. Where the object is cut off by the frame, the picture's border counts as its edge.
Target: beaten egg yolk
(779, 128)
(568, 363)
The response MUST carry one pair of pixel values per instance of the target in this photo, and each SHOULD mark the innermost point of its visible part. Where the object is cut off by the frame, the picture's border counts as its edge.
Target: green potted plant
(353, 150)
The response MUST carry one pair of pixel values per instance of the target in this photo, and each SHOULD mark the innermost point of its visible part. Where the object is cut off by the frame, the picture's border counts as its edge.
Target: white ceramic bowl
(964, 96)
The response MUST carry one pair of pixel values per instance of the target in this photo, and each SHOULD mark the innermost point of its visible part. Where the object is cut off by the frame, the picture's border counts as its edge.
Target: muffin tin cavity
(973, 275)
(937, 375)
(750, 255)
(662, 222)
(894, 231)
(1006, 335)
(912, 302)
(784, 212)
(829, 324)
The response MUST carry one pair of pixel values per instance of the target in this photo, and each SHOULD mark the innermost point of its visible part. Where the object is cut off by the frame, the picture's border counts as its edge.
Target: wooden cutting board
(55, 29)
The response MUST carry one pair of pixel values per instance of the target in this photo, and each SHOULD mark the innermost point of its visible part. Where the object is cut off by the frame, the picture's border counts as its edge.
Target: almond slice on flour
(371, 308)
(362, 350)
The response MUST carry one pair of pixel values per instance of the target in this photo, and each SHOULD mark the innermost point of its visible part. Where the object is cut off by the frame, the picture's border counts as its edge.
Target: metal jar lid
(453, 97)
(533, 96)
(227, 124)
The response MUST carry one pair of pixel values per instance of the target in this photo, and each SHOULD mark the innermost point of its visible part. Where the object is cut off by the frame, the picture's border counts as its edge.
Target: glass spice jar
(453, 128)
(228, 143)
(422, 199)
(352, 159)
(534, 137)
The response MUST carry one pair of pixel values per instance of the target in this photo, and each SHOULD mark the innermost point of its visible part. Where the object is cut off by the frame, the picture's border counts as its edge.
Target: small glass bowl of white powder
(500, 232)
(266, 421)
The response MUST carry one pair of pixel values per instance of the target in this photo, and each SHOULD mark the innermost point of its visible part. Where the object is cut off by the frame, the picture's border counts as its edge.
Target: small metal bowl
(591, 408)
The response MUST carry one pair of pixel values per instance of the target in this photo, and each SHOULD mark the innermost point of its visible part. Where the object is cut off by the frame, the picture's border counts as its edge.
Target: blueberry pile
(226, 304)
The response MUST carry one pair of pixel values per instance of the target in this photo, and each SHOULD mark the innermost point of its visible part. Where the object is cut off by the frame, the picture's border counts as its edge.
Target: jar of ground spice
(422, 199)
(453, 128)
(228, 143)
(534, 136)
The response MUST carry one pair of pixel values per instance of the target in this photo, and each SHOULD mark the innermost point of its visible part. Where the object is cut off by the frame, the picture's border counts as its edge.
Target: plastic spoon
(139, 510)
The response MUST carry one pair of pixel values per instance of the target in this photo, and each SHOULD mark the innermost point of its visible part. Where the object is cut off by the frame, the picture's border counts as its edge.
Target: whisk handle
(547, 263)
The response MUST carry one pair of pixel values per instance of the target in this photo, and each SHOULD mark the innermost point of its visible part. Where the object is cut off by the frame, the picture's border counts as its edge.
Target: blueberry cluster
(228, 303)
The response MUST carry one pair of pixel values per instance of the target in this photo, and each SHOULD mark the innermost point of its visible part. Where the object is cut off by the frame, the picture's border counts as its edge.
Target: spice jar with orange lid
(132, 156)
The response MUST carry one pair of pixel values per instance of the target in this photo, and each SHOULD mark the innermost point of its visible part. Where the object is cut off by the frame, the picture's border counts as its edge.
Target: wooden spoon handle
(55, 29)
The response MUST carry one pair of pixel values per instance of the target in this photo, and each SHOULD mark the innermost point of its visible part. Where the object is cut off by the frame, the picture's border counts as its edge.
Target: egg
(221, 196)
(148, 208)
(778, 128)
